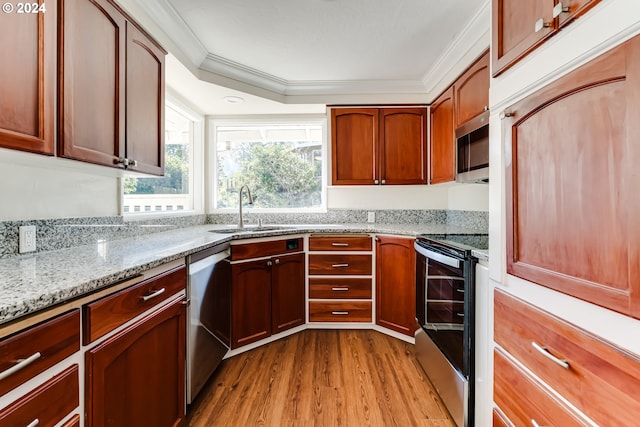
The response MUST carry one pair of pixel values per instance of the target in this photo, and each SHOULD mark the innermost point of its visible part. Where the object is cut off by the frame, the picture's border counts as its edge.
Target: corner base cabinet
(395, 284)
(137, 377)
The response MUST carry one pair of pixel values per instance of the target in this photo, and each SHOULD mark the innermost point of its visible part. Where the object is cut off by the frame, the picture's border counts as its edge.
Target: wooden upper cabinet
(443, 153)
(354, 145)
(373, 146)
(145, 103)
(92, 81)
(472, 91)
(403, 148)
(567, 10)
(572, 180)
(518, 28)
(27, 80)
(111, 85)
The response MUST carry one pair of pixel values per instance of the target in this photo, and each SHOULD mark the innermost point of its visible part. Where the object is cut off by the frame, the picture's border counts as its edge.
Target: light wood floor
(321, 378)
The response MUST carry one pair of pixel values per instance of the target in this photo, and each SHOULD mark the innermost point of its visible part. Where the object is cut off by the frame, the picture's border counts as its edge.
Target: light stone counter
(29, 283)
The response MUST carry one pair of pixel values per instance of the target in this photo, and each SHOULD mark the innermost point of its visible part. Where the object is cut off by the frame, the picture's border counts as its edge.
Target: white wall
(33, 186)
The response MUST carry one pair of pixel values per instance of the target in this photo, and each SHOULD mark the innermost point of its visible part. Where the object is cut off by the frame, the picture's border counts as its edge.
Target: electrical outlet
(371, 216)
(27, 238)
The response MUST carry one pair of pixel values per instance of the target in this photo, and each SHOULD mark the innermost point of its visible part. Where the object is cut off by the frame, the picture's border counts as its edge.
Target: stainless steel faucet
(240, 220)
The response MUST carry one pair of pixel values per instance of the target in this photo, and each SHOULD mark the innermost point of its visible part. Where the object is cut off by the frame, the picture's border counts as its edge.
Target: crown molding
(474, 39)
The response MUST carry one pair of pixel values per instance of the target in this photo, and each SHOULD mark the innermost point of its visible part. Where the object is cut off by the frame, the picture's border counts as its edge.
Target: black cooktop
(462, 242)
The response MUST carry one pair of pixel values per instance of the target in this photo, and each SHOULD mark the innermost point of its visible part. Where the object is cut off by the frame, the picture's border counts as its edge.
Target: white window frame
(196, 168)
(214, 123)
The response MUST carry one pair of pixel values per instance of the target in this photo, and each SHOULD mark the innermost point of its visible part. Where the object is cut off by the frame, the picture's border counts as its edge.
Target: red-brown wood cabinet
(395, 284)
(27, 83)
(520, 27)
(571, 183)
(378, 146)
(111, 89)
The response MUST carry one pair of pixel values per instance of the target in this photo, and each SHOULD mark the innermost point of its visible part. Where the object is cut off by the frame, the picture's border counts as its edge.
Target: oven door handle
(447, 260)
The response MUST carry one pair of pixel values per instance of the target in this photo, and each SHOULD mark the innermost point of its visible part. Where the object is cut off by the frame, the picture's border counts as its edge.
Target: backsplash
(68, 232)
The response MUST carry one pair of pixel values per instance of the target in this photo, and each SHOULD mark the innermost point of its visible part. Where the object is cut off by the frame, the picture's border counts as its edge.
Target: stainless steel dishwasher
(208, 314)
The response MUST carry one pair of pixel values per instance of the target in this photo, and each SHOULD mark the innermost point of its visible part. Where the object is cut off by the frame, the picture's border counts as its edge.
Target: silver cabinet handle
(34, 423)
(542, 350)
(540, 24)
(340, 244)
(460, 290)
(560, 9)
(460, 314)
(22, 363)
(153, 294)
(340, 289)
(534, 423)
(340, 313)
(340, 265)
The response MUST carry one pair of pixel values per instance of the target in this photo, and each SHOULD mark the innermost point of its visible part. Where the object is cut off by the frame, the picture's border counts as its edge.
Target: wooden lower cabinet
(287, 292)
(47, 405)
(137, 377)
(267, 297)
(525, 401)
(395, 284)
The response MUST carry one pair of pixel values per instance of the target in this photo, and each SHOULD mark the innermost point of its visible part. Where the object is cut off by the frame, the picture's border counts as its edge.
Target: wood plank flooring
(321, 378)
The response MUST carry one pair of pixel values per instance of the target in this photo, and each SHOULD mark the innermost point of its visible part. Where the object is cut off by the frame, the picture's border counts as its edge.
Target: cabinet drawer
(601, 380)
(339, 264)
(499, 419)
(48, 404)
(340, 243)
(266, 249)
(340, 311)
(523, 399)
(36, 349)
(108, 313)
(339, 288)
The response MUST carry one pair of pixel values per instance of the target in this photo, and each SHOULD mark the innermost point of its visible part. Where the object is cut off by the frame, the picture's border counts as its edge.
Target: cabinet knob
(560, 9)
(384, 181)
(120, 161)
(486, 108)
(269, 263)
(277, 261)
(131, 162)
(376, 182)
(540, 24)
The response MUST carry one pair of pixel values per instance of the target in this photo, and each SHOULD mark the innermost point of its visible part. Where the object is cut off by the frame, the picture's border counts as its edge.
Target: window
(282, 162)
(174, 191)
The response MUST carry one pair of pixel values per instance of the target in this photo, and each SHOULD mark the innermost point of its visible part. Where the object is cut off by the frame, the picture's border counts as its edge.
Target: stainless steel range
(445, 310)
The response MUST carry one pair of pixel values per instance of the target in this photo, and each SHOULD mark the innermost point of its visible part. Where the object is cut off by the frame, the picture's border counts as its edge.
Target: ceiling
(316, 51)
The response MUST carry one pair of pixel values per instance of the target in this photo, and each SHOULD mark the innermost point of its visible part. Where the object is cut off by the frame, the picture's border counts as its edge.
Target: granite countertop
(29, 283)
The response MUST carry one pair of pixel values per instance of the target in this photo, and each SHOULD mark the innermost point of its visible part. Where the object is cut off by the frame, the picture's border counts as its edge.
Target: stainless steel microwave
(472, 153)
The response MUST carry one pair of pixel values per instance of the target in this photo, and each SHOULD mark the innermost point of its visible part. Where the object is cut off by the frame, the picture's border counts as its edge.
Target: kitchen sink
(247, 229)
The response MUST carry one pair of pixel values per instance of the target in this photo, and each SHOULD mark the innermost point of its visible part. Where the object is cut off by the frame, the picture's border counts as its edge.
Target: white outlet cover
(27, 238)
(371, 216)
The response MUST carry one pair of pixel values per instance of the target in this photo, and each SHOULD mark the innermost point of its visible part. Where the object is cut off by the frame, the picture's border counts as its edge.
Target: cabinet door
(395, 284)
(27, 80)
(518, 28)
(403, 146)
(472, 91)
(443, 153)
(287, 292)
(136, 378)
(354, 146)
(250, 302)
(145, 103)
(567, 10)
(572, 183)
(92, 81)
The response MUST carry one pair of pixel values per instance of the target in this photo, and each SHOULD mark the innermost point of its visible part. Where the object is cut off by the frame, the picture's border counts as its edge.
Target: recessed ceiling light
(233, 99)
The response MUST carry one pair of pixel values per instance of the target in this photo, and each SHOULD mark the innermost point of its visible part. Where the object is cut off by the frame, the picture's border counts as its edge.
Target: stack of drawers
(340, 278)
(544, 367)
